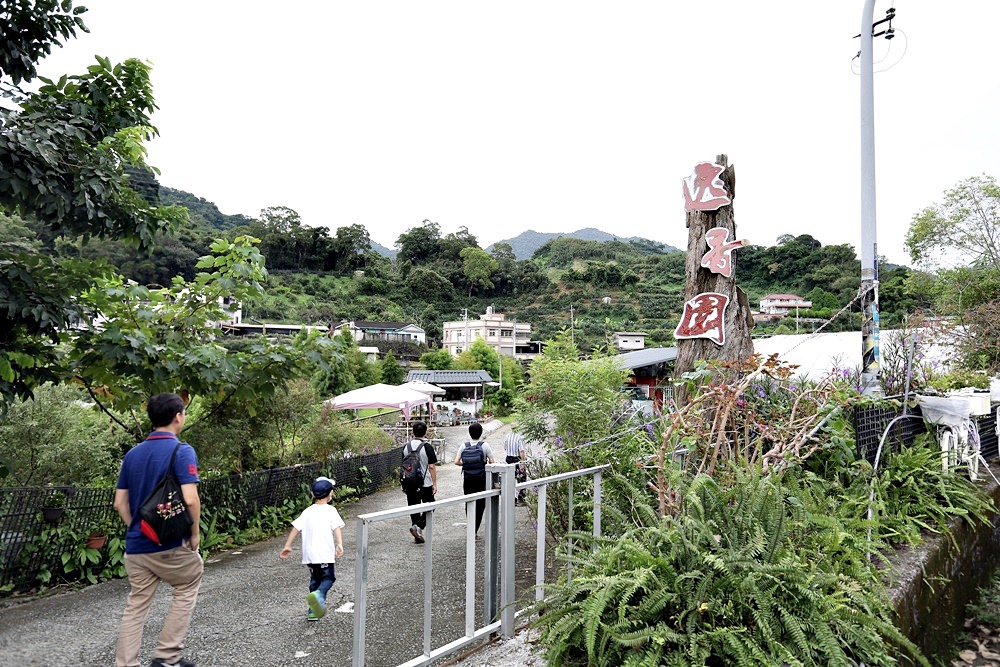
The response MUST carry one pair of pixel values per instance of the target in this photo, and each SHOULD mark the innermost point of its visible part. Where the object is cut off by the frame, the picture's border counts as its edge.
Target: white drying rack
(957, 431)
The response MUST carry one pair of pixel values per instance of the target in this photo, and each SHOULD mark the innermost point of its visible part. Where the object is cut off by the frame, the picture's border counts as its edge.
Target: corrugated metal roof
(442, 378)
(648, 357)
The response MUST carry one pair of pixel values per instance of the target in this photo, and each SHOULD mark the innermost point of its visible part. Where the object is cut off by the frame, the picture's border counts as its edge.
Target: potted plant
(53, 506)
(100, 530)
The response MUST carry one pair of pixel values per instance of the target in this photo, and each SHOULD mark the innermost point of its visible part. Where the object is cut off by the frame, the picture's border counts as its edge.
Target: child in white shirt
(322, 543)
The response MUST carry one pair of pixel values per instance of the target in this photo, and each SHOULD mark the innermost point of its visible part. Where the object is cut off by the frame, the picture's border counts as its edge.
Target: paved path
(251, 609)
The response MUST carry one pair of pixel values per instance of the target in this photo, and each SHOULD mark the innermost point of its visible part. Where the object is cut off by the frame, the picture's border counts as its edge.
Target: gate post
(508, 496)
(500, 549)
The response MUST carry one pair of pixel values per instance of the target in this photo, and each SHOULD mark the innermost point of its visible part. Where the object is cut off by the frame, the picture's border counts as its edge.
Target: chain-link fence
(871, 422)
(26, 514)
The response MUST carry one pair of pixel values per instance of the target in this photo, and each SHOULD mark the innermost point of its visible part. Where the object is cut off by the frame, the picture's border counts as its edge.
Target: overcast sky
(554, 116)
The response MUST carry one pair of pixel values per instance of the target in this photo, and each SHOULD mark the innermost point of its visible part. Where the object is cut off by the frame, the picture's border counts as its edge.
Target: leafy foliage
(392, 372)
(722, 583)
(57, 439)
(31, 29)
(584, 397)
(959, 239)
(437, 359)
(162, 340)
(64, 153)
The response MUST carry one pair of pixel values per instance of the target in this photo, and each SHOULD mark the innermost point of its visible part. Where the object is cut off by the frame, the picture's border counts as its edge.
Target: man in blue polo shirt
(146, 562)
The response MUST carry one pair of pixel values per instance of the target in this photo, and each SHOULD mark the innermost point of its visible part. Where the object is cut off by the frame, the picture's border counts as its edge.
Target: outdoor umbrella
(379, 396)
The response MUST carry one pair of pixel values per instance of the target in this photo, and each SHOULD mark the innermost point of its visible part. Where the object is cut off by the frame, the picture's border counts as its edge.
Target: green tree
(964, 228)
(429, 284)
(479, 356)
(453, 245)
(352, 248)
(30, 30)
(165, 340)
(392, 372)
(584, 398)
(347, 368)
(64, 152)
(419, 244)
(57, 438)
(436, 360)
(959, 238)
(478, 266)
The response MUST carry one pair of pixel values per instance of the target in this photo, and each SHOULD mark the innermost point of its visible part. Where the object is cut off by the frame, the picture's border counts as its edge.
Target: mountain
(382, 250)
(526, 243)
(201, 210)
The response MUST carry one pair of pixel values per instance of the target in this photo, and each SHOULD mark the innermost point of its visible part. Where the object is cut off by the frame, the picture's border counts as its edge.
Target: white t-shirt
(317, 523)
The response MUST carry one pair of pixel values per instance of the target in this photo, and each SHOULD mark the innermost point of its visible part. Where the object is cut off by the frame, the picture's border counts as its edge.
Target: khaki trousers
(182, 569)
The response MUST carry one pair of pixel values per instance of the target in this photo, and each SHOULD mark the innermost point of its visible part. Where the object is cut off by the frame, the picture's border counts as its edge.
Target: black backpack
(411, 475)
(163, 516)
(474, 459)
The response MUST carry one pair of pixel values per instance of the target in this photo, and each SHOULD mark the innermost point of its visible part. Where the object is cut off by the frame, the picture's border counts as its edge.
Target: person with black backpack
(473, 457)
(148, 561)
(418, 477)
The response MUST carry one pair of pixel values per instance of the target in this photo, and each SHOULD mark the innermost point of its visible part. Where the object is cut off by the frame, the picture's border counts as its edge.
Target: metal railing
(499, 604)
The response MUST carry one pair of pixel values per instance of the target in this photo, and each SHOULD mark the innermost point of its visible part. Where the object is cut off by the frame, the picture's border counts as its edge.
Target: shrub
(722, 583)
(59, 439)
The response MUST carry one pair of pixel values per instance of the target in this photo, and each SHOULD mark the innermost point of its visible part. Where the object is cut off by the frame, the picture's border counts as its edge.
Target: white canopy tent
(379, 396)
(423, 387)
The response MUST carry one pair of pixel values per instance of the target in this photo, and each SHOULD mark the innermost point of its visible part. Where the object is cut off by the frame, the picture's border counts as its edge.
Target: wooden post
(698, 280)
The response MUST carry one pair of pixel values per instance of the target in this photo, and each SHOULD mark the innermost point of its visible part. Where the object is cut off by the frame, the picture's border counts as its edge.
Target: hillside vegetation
(591, 287)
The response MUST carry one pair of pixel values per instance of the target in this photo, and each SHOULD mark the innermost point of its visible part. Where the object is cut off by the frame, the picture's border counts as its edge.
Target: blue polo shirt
(142, 469)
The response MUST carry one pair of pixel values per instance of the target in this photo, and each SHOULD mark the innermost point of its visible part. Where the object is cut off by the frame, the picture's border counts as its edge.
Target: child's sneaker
(316, 607)
(416, 533)
(419, 537)
(310, 616)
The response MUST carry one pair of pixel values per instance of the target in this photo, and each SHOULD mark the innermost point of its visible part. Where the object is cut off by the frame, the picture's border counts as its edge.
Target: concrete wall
(931, 584)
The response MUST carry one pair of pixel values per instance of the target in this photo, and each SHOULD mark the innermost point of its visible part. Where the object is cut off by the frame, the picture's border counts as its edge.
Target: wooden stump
(698, 280)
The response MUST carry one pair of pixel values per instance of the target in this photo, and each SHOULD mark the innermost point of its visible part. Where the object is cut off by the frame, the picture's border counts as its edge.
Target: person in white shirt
(473, 457)
(516, 452)
(322, 544)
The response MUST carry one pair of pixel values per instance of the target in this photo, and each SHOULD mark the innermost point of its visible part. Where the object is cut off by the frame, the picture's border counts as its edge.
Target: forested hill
(596, 286)
(201, 210)
(526, 243)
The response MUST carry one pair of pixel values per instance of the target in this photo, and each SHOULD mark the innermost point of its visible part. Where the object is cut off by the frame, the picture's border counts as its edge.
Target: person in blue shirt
(146, 562)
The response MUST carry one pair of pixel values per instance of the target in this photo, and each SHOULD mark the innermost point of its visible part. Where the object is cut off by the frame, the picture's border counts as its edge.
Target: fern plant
(725, 582)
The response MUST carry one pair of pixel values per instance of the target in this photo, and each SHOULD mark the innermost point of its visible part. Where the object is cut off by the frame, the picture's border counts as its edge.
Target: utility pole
(465, 317)
(870, 354)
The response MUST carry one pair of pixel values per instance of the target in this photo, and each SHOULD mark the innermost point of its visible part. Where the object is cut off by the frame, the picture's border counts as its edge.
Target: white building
(782, 304)
(627, 341)
(403, 332)
(503, 335)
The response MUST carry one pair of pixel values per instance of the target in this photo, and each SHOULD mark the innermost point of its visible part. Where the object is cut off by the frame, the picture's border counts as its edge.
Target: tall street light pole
(870, 354)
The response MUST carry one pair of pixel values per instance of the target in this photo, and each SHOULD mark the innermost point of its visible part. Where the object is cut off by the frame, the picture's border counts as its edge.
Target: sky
(558, 115)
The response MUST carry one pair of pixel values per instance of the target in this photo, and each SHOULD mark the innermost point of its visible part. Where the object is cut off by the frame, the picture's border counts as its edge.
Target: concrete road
(251, 609)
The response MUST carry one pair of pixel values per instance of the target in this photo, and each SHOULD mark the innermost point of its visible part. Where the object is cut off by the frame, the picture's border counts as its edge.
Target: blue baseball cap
(322, 487)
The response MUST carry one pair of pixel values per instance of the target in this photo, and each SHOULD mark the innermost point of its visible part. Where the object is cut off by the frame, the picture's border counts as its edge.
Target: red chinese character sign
(719, 258)
(704, 190)
(716, 318)
(704, 317)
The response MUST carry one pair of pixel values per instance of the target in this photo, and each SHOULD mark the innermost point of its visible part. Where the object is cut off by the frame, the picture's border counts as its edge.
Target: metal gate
(499, 608)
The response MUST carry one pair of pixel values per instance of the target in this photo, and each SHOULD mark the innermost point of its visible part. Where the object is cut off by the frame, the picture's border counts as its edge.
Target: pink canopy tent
(379, 396)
